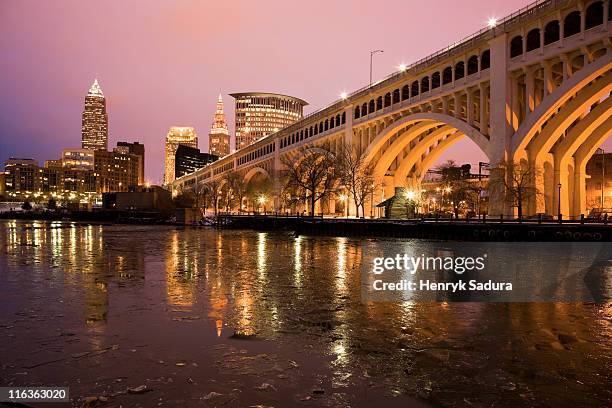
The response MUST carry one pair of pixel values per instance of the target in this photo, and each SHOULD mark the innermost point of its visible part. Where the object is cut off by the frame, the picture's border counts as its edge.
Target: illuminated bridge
(533, 89)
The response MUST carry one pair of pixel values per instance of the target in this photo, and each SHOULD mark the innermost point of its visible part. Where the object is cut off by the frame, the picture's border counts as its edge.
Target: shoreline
(456, 230)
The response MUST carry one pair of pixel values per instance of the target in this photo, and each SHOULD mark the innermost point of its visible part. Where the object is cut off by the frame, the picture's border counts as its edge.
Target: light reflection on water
(281, 287)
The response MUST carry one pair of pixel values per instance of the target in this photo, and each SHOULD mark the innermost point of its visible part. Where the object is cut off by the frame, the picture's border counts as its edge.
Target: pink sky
(163, 63)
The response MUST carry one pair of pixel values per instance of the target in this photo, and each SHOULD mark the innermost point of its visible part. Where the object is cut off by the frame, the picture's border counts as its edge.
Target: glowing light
(492, 22)
(447, 189)
(147, 184)
(402, 67)
(262, 199)
(410, 195)
(343, 95)
(343, 197)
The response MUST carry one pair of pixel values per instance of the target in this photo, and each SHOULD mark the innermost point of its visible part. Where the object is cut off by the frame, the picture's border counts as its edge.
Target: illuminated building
(177, 136)
(76, 159)
(259, 114)
(115, 171)
(218, 138)
(2, 184)
(189, 159)
(21, 177)
(137, 149)
(94, 129)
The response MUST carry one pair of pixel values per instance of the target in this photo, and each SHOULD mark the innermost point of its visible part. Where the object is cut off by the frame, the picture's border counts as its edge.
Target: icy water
(161, 316)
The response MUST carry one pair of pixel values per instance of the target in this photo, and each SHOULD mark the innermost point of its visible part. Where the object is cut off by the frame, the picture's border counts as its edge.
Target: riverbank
(460, 230)
(198, 317)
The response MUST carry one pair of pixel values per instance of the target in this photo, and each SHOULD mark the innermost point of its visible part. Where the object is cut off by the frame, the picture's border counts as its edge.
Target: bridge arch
(433, 119)
(553, 102)
(253, 171)
(598, 117)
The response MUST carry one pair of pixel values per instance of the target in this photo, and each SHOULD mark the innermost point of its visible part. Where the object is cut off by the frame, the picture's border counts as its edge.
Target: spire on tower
(95, 89)
(219, 124)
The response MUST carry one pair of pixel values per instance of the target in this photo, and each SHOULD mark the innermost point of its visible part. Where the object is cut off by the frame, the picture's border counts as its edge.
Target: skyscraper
(259, 114)
(189, 159)
(94, 129)
(218, 138)
(177, 136)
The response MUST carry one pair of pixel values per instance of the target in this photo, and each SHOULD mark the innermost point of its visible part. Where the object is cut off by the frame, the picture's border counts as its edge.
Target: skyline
(177, 58)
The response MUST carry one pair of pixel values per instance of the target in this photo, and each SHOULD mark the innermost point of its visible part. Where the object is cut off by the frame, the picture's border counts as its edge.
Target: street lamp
(603, 175)
(559, 202)
(371, 202)
(371, 56)
(262, 201)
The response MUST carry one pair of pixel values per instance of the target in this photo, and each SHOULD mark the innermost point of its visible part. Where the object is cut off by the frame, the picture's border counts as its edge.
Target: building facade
(137, 149)
(77, 159)
(94, 127)
(189, 159)
(25, 180)
(177, 136)
(218, 138)
(116, 171)
(259, 114)
(21, 177)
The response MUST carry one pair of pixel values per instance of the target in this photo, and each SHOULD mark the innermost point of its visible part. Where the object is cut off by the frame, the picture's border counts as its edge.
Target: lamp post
(559, 202)
(372, 203)
(371, 57)
(603, 175)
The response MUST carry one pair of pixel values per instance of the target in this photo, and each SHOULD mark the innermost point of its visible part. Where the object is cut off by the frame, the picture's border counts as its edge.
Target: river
(164, 316)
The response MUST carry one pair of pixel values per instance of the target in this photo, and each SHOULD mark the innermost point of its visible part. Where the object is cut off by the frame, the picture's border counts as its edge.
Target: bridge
(532, 90)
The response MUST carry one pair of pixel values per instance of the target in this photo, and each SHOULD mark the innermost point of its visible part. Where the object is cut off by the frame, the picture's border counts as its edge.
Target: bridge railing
(505, 24)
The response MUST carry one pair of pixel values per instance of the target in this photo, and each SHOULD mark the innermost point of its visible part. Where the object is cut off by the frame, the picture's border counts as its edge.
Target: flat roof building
(259, 114)
(189, 159)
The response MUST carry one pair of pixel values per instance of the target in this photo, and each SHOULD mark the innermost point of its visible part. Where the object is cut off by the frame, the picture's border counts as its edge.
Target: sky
(163, 63)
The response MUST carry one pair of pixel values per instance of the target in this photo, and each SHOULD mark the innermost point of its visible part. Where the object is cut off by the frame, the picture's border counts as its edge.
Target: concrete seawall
(426, 229)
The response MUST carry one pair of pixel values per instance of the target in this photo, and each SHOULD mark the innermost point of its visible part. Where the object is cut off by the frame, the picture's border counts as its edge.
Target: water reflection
(301, 290)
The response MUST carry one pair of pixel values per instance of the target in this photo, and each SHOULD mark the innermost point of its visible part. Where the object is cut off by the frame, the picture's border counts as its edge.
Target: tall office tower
(218, 138)
(137, 149)
(189, 159)
(259, 114)
(177, 136)
(94, 128)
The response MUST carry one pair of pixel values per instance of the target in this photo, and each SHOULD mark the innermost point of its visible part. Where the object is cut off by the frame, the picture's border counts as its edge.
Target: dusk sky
(163, 63)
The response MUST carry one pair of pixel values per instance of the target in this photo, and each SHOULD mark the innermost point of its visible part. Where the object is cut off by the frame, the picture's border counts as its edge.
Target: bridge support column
(482, 109)
(276, 183)
(500, 108)
(348, 127)
(579, 193)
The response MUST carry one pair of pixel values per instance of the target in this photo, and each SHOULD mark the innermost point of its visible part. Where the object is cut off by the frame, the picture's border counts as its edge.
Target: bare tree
(312, 175)
(518, 182)
(356, 175)
(214, 192)
(233, 190)
(258, 189)
(458, 188)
